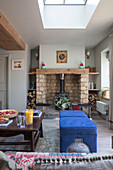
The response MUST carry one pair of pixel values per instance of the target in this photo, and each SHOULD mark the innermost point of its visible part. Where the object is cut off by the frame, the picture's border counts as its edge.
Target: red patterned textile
(24, 159)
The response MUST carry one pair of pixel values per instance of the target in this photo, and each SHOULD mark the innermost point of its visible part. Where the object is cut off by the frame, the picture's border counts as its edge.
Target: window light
(52, 2)
(75, 2)
(65, 2)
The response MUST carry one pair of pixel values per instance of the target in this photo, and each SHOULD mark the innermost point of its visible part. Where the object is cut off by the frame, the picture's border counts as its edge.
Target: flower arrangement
(62, 102)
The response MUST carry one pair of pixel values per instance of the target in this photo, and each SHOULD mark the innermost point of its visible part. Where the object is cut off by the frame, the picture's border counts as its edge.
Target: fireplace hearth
(51, 82)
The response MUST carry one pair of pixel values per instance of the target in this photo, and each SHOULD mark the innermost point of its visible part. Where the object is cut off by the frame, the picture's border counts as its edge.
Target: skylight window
(65, 2)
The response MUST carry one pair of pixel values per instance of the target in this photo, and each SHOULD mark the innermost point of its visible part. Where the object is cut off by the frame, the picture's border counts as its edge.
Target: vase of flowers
(62, 102)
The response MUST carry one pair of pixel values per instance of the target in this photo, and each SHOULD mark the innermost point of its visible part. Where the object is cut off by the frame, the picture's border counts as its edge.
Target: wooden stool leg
(112, 141)
(41, 131)
(32, 142)
(89, 112)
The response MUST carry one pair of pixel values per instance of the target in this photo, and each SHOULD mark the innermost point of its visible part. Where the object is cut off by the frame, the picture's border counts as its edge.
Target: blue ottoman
(72, 113)
(72, 128)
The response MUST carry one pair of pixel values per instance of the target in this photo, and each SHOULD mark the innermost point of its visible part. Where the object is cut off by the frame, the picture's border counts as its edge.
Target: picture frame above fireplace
(62, 56)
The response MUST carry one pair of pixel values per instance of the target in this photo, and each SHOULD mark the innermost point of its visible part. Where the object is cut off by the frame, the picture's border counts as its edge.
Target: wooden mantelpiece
(62, 71)
(9, 38)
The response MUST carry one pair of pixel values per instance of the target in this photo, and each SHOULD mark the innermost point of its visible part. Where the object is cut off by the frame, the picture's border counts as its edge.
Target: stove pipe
(62, 84)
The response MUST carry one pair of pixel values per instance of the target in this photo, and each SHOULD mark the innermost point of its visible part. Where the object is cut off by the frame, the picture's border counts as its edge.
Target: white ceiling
(24, 15)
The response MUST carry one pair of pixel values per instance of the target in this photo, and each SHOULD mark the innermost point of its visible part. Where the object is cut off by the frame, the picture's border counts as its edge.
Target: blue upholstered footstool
(72, 128)
(72, 113)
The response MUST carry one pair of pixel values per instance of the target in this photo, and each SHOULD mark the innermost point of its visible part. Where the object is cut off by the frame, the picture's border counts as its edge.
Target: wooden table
(31, 133)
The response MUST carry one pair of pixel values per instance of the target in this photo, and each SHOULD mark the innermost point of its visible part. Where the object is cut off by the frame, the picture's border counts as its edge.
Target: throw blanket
(59, 161)
(25, 159)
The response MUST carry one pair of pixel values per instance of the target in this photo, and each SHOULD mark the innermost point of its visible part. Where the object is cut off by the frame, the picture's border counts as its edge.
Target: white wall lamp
(36, 55)
(88, 53)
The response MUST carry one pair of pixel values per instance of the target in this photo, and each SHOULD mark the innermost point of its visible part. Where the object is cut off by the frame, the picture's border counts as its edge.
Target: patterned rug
(51, 140)
(51, 113)
(49, 143)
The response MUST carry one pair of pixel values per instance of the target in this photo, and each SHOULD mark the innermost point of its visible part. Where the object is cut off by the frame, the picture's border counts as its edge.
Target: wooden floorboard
(104, 135)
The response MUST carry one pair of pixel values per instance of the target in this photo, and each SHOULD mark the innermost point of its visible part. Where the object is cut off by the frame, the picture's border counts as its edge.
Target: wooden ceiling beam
(9, 38)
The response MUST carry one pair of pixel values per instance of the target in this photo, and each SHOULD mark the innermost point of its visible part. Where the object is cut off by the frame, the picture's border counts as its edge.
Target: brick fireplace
(48, 84)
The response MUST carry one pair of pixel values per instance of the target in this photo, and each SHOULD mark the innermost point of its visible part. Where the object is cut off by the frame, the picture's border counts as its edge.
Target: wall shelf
(105, 98)
(31, 73)
(31, 89)
(94, 73)
(94, 89)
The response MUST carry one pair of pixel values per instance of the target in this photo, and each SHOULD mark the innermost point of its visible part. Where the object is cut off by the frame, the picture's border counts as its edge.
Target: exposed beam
(62, 71)
(9, 38)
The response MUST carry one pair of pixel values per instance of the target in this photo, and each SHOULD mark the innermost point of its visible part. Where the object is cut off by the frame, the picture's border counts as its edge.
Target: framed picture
(17, 64)
(61, 56)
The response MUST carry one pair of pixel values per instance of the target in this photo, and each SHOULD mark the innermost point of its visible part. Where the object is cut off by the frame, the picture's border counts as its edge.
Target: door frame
(7, 87)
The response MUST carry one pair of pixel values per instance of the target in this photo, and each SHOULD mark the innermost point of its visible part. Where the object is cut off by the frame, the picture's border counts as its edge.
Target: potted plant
(101, 92)
(104, 93)
(62, 102)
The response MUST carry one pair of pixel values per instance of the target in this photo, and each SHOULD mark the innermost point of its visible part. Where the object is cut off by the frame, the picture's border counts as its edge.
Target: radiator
(102, 107)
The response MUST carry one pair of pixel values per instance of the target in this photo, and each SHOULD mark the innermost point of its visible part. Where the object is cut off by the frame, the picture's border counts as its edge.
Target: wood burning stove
(62, 88)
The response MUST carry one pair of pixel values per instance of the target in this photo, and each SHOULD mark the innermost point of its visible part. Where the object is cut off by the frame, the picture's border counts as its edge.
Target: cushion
(72, 113)
(77, 125)
(90, 163)
(82, 161)
(8, 164)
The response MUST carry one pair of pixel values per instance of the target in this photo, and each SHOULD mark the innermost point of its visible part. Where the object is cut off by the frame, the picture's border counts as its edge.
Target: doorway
(4, 81)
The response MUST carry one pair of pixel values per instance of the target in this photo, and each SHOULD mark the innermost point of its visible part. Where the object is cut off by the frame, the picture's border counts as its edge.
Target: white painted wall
(28, 64)
(18, 81)
(90, 63)
(102, 46)
(76, 54)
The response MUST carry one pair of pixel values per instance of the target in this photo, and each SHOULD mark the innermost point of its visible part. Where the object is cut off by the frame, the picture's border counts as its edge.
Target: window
(105, 80)
(65, 2)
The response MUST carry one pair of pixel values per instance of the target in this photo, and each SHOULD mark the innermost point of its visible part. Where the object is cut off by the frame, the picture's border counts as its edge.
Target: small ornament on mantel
(81, 65)
(43, 66)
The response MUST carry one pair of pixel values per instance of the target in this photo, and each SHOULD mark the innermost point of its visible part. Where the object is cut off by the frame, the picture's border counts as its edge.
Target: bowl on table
(8, 113)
